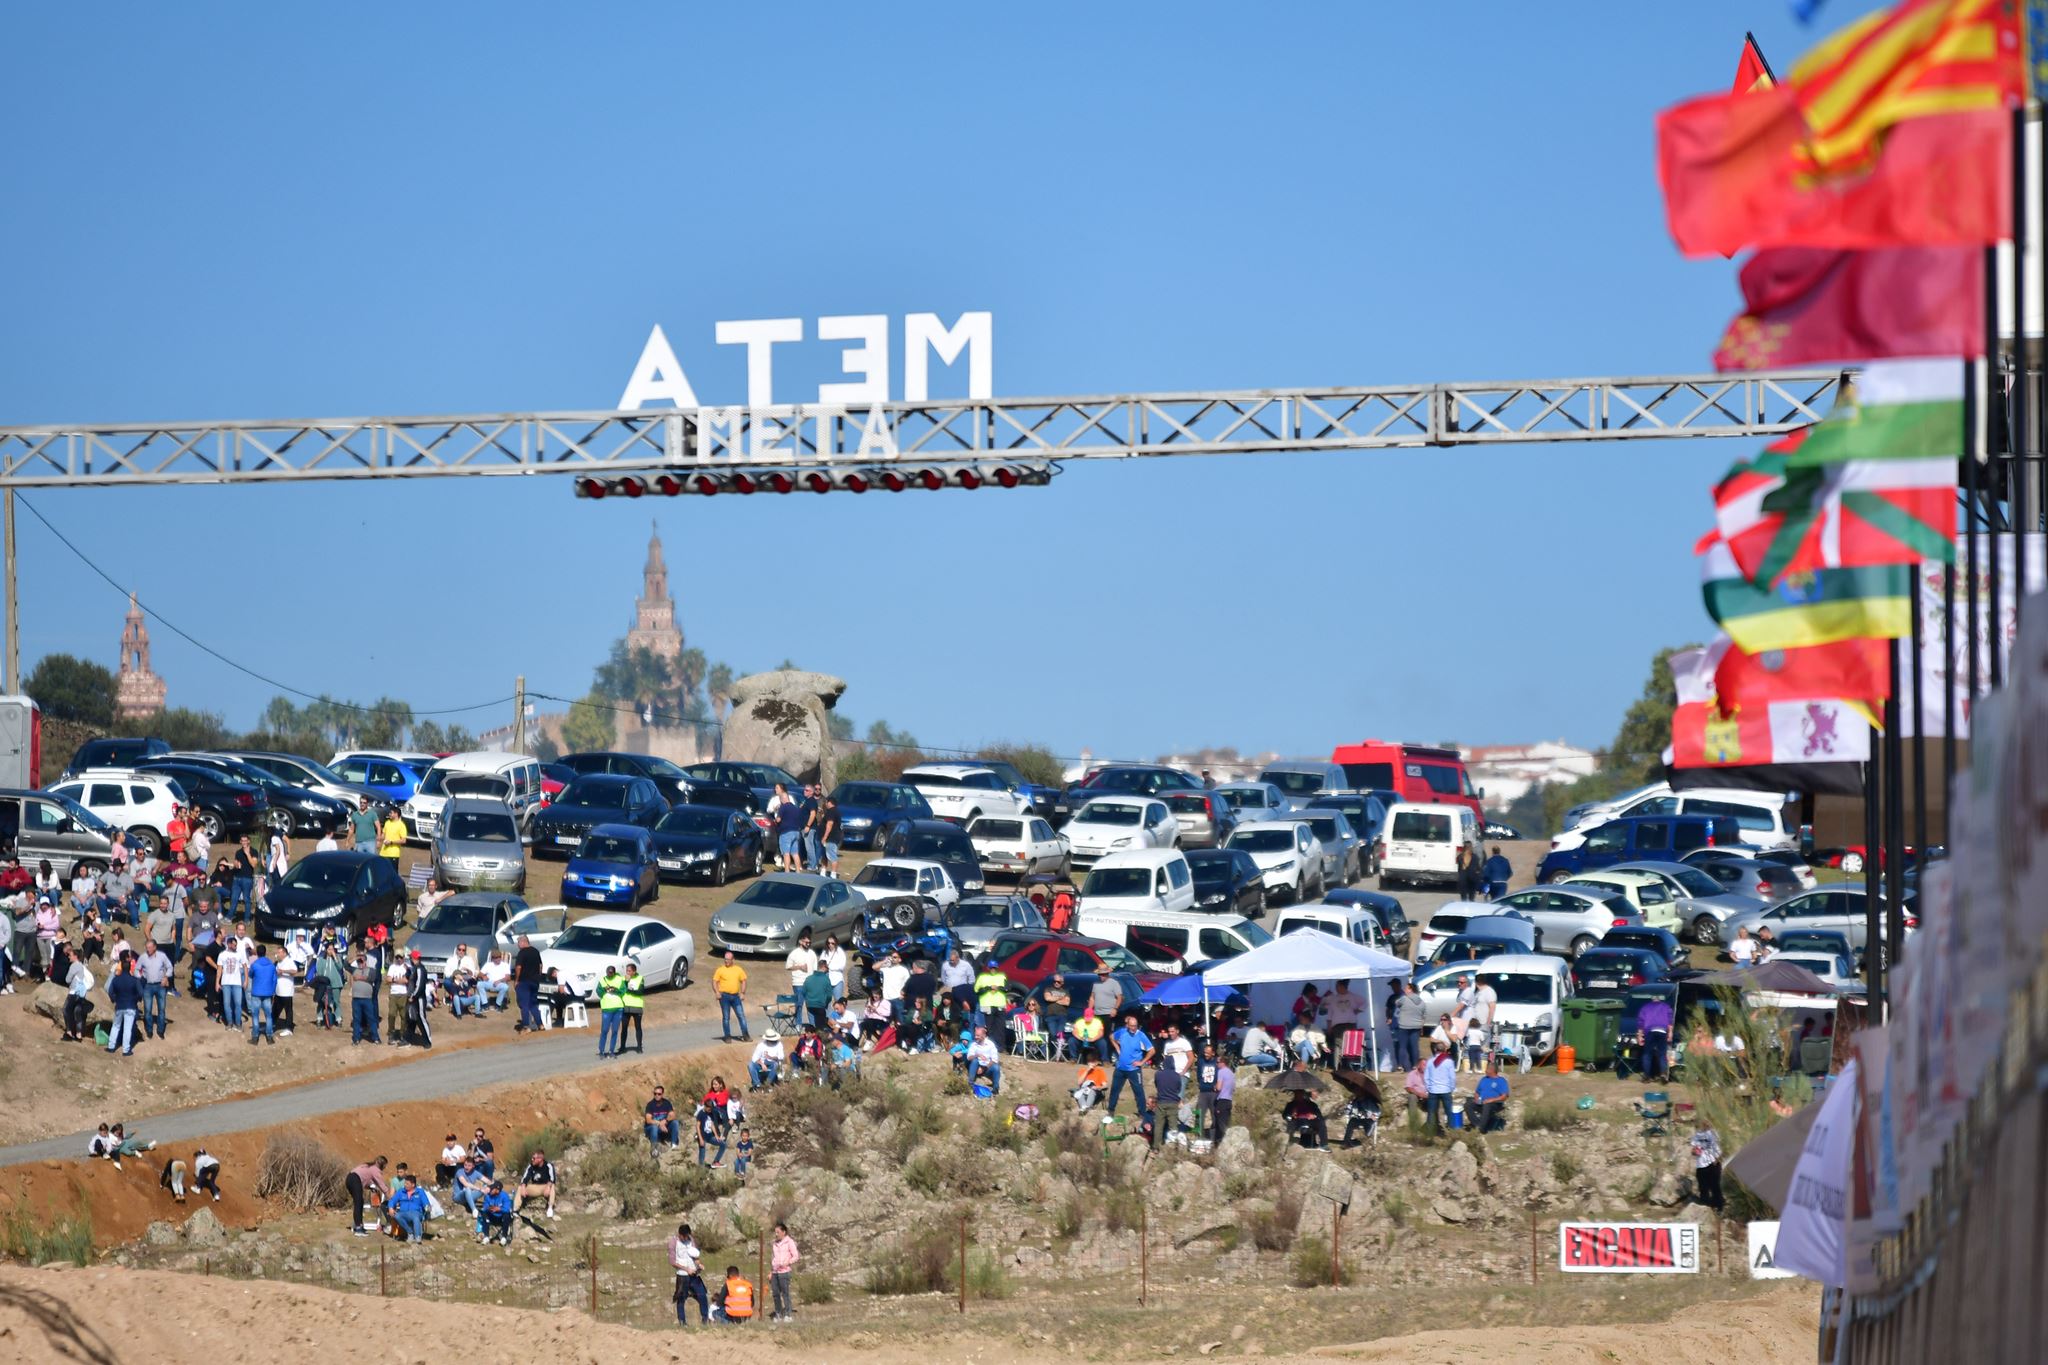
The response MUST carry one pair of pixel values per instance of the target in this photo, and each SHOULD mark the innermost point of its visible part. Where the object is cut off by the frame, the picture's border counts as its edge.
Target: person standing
(396, 984)
(1205, 1090)
(801, 962)
(729, 981)
(77, 1001)
(611, 1006)
(1497, 871)
(782, 1259)
(812, 837)
(362, 825)
(1407, 1027)
(391, 838)
(363, 1182)
(262, 994)
(1226, 1097)
(153, 968)
(242, 879)
(124, 993)
(1654, 1018)
(1706, 1160)
(1439, 1083)
(633, 998)
(526, 978)
(827, 823)
(362, 1003)
(177, 832)
(1166, 1093)
(1133, 1051)
(688, 1264)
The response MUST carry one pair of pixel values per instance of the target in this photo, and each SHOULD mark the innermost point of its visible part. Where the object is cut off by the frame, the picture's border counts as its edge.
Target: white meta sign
(659, 376)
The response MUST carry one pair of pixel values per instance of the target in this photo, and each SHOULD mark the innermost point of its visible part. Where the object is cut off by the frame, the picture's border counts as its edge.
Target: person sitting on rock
(1088, 1088)
(537, 1181)
(408, 1209)
(494, 1216)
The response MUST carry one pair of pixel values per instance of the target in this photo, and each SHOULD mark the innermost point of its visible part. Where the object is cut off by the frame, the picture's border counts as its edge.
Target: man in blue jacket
(408, 1209)
(494, 1216)
(124, 992)
(1497, 873)
(262, 994)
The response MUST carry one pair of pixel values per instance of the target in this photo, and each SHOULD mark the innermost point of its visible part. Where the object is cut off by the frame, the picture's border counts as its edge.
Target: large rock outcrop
(780, 718)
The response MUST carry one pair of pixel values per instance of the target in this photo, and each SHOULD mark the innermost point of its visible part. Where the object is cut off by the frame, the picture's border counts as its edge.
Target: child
(1475, 1045)
(743, 1155)
(739, 1295)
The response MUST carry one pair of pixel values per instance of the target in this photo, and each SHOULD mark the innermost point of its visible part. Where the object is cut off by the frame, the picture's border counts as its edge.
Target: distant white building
(1509, 771)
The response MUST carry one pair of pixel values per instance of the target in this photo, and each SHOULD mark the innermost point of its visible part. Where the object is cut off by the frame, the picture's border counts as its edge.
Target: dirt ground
(99, 1316)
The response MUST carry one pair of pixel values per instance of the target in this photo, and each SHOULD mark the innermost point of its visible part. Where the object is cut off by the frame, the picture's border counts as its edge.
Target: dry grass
(301, 1173)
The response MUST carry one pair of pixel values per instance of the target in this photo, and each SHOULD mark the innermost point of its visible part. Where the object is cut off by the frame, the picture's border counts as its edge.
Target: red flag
(1734, 176)
(1851, 670)
(1807, 304)
(1752, 72)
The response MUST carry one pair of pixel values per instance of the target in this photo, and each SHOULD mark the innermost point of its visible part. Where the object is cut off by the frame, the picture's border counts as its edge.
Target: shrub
(1068, 1215)
(68, 1237)
(1123, 1208)
(1242, 1185)
(808, 1121)
(999, 1130)
(916, 1263)
(555, 1138)
(301, 1173)
(964, 1172)
(621, 1166)
(1477, 1146)
(1077, 1148)
(686, 1185)
(813, 1288)
(1398, 1208)
(1272, 1229)
(1312, 1266)
(1564, 1166)
(1548, 1116)
(986, 1278)
(1034, 761)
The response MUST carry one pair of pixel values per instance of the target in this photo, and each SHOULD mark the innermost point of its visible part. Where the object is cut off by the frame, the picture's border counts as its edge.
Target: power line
(197, 643)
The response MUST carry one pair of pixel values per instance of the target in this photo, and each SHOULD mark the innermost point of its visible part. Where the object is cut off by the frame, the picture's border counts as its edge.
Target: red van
(1414, 772)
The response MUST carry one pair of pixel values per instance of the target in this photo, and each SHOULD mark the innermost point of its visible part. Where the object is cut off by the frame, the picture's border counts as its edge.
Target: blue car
(395, 777)
(614, 866)
(869, 812)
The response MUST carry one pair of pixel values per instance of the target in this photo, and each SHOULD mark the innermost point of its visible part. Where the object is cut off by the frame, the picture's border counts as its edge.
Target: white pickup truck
(961, 791)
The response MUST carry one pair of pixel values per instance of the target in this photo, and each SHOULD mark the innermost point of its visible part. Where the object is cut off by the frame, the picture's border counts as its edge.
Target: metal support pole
(13, 607)
(1919, 724)
(519, 714)
(593, 1274)
(1974, 551)
(383, 1281)
(1873, 912)
(1144, 1254)
(1336, 1244)
(1895, 826)
(1535, 1247)
(761, 1271)
(963, 1267)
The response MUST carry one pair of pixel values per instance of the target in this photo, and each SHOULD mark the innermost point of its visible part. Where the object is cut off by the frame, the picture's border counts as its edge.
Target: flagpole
(1919, 720)
(1895, 825)
(1991, 477)
(1873, 911)
(1948, 619)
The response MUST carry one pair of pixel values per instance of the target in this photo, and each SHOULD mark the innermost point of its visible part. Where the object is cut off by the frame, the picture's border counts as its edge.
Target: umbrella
(1184, 990)
(1295, 1080)
(1360, 1085)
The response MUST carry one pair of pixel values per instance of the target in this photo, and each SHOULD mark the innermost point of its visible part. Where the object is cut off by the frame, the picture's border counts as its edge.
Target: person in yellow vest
(739, 1296)
(611, 1007)
(991, 996)
(633, 996)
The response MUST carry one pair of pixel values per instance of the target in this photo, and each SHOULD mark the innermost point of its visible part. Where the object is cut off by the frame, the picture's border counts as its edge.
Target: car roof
(406, 756)
(1625, 876)
(1645, 865)
(1349, 914)
(1540, 963)
(338, 855)
(1036, 936)
(1244, 786)
(618, 919)
(615, 829)
(482, 805)
(922, 825)
(798, 878)
(609, 779)
(1427, 805)
(1138, 857)
(1115, 799)
(1585, 893)
(948, 769)
(480, 898)
(1300, 765)
(916, 863)
(1283, 823)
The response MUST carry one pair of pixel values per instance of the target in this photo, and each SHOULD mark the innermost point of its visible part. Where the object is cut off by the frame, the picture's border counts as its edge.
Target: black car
(345, 890)
(1662, 942)
(1368, 815)
(1385, 908)
(1122, 779)
(760, 778)
(942, 842)
(221, 804)
(1494, 829)
(677, 787)
(712, 842)
(1746, 876)
(1227, 881)
(294, 810)
(1614, 972)
(592, 800)
(743, 800)
(114, 753)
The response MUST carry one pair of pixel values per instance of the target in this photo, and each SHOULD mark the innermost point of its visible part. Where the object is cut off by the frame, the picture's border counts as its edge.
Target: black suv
(294, 810)
(114, 753)
(676, 786)
(221, 804)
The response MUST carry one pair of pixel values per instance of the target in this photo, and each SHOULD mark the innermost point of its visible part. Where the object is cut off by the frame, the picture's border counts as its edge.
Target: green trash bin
(1591, 1028)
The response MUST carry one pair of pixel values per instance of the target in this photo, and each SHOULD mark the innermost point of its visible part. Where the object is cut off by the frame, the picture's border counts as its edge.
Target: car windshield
(1421, 824)
(861, 794)
(1632, 938)
(321, 874)
(486, 785)
(1517, 988)
(1363, 775)
(1262, 840)
(1209, 864)
(584, 792)
(767, 775)
(83, 816)
(935, 845)
(661, 767)
(1118, 881)
(982, 915)
(608, 848)
(1118, 958)
(483, 827)
(1239, 797)
(996, 829)
(1186, 803)
(775, 896)
(685, 820)
(1325, 829)
(459, 917)
(1294, 784)
(1110, 813)
(434, 783)
(585, 938)
(1695, 882)
(887, 878)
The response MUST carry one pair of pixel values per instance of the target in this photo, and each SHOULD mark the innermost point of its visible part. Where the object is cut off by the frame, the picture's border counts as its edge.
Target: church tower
(137, 691)
(654, 616)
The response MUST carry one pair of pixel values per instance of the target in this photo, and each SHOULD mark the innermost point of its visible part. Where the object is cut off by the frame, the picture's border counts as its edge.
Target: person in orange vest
(739, 1295)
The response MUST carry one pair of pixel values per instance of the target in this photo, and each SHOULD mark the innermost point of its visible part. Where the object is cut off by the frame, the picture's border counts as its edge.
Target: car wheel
(1582, 943)
(210, 822)
(146, 840)
(282, 822)
(906, 916)
(1852, 862)
(718, 872)
(679, 975)
(1707, 930)
(1560, 875)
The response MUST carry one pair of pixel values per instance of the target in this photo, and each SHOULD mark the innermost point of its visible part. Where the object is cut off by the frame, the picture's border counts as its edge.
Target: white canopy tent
(1273, 973)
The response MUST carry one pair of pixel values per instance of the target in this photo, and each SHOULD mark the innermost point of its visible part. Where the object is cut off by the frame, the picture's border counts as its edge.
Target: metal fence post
(1336, 1244)
(1144, 1255)
(763, 1271)
(383, 1280)
(593, 1274)
(963, 1265)
(1535, 1247)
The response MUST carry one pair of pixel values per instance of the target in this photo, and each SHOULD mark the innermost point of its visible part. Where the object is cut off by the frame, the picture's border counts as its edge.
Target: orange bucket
(1567, 1058)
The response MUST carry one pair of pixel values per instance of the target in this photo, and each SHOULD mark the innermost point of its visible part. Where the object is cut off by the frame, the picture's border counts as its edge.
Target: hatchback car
(1368, 816)
(1387, 909)
(768, 917)
(919, 877)
(1570, 919)
(295, 811)
(1613, 972)
(338, 889)
(1027, 958)
(216, 803)
(140, 803)
(394, 777)
(1253, 800)
(1227, 881)
(869, 812)
(1111, 824)
(1470, 948)
(1650, 895)
(939, 841)
(477, 920)
(114, 753)
(1699, 899)
(675, 785)
(760, 778)
(976, 920)
(1289, 855)
(1763, 881)
(1205, 819)
(614, 865)
(595, 944)
(1343, 853)
(600, 799)
(479, 846)
(1122, 779)
(1017, 845)
(304, 772)
(706, 841)
(1840, 908)
(1662, 942)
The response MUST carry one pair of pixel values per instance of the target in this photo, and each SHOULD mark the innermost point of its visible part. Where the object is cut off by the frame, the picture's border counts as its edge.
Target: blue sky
(268, 211)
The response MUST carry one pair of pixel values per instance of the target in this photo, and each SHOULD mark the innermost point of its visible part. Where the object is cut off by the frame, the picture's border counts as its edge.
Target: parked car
(475, 919)
(1741, 875)
(513, 779)
(614, 865)
(1302, 780)
(777, 907)
(1447, 921)
(1495, 829)
(1569, 919)
(39, 826)
(554, 777)
(1840, 908)
(1796, 862)
(1699, 899)
(1205, 819)
(908, 926)
(600, 799)
(1017, 845)
(540, 925)
(1227, 880)
(1472, 948)
(1112, 824)
(1649, 894)
(478, 846)
(1123, 779)
(137, 802)
(1607, 972)
(1146, 879)
(1028, 957)
(594, 945)
(1348, 922)
(743, 800)
(939, 842)
(1759, 816)
(870, 811)
(760, 778)
(295, 812)
(1288, 854)
(393, 774)
(976, 920)
(962, 792)
(711, 842)
(891, 877)
(1529, 989)
(676, 785)
(305, 772)
(222, 806)
(1814, 941)
(1250, 801)
(1343, 854)
(1634, 838)
(1422, 842)
(1170, 940)
(1662, 942)
(1418, 774)
(1385, 908)
(1368, 817)
(344, 889)
(113, 753)
(1837, 969)
(1043, 799)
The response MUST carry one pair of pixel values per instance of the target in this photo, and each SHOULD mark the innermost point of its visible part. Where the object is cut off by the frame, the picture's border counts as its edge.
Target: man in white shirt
(326, 843)
(764, 1068)
(1178, 1050)
(984, 1060)
(894, 974)
(1743, 950)
(802, 961)
(497, 980)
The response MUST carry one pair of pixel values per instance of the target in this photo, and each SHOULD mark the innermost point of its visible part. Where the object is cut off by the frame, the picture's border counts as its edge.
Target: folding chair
(1032, 1047)
(782, 1014)
(1655, 1107)
(418, 876)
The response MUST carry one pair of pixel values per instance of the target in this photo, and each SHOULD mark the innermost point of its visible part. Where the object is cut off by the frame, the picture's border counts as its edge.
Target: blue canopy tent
(1187, 990)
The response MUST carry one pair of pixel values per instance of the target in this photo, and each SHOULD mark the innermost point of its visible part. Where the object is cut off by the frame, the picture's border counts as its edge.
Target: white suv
(139, 803)
(961, 791)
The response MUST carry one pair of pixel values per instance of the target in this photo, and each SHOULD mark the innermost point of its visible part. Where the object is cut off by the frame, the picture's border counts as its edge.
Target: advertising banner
(1629, 1248)
(1763, 1252)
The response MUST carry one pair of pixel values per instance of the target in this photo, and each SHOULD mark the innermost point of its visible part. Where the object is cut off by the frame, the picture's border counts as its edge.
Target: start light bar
(896, 478)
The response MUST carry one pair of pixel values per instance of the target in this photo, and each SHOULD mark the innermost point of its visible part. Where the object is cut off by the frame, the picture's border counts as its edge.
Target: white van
(514, 779)
(1167, 940)
(1140, 879)
(1348, 922)
(1421, 841)
(1760, 816)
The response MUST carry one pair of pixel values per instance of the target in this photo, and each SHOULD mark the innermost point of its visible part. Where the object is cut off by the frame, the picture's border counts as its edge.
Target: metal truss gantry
(1119, 426)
